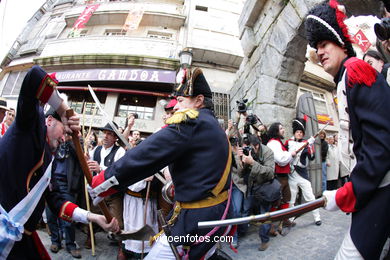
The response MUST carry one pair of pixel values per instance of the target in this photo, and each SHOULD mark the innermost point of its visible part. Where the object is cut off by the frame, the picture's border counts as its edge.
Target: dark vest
(109, 158)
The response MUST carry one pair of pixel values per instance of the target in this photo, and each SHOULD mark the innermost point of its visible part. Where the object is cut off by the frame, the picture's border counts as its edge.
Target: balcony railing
(140, 46)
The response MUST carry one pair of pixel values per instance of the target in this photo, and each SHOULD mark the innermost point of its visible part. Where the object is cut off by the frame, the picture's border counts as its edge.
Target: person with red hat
(199, 158)
(364, 135)
(169, 110)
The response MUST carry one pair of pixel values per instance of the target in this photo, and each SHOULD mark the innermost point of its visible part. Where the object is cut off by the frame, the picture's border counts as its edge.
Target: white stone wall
(272, 37)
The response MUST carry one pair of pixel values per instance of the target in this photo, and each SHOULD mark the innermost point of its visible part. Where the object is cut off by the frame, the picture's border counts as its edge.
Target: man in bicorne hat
(26, 152)
(364, 136)
(199, 155)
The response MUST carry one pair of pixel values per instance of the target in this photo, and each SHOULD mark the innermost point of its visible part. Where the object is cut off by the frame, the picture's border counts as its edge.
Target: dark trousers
(60, 228)
(284, 187)
(264, 228)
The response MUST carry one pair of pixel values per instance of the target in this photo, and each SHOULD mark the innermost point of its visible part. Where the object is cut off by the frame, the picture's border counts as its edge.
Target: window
(77, 33)
(83, 33)
(221, 107)
(142, 105)
(201, 8)
(14, 83)
(114, 32)
(159, 35)
(78, 100)
(320, 105)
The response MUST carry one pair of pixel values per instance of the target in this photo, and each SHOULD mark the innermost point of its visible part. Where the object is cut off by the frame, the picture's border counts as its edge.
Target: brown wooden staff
(84, 166)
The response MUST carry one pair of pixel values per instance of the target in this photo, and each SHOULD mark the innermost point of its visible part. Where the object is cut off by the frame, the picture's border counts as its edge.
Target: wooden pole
(145, 215)
(84, 167)
(90, 223)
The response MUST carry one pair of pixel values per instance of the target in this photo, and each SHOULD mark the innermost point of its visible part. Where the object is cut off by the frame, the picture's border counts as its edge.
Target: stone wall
(272, 37)
(273, 40)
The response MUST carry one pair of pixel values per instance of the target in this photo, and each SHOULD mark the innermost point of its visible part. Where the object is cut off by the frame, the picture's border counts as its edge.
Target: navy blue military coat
(368, 109)
(24, 156)
(197, 151)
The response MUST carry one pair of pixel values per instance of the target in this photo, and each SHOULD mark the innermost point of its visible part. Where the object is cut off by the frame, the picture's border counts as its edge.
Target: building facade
(128, 52)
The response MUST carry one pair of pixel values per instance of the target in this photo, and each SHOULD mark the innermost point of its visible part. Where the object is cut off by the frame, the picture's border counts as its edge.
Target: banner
(134, 17)
(82, 20)
(361, 40)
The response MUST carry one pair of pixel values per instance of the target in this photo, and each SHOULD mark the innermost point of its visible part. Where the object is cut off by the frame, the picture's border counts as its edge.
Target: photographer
(251, 120)
(258, 168)
(382, 31)
(239, 187)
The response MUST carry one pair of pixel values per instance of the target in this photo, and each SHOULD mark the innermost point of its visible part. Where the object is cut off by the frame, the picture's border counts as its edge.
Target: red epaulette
(359, 72)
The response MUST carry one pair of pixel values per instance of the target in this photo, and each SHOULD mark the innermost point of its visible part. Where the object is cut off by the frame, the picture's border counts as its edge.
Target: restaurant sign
(141, 75)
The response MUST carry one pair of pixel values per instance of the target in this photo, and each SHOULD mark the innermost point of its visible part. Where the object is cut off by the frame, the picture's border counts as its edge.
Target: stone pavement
(305, 241)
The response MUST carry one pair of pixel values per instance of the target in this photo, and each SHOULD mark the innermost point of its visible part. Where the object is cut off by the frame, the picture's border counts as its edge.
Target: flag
(361, 40)
(82, 20)
(134, 17)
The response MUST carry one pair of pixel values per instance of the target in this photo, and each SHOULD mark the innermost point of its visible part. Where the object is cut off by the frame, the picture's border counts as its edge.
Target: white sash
(11, 224)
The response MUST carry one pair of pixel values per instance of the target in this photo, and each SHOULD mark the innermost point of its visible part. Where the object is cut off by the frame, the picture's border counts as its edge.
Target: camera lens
(382, 29)
(381, 32)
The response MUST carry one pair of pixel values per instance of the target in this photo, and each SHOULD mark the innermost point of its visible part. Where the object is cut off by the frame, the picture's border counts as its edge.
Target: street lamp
(185, 57)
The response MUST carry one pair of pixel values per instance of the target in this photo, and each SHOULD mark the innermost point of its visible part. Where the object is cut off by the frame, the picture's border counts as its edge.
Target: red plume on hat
(341, 16)
(326, 22)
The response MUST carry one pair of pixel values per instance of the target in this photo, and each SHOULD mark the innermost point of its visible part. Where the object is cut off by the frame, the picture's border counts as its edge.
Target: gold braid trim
(182, 116)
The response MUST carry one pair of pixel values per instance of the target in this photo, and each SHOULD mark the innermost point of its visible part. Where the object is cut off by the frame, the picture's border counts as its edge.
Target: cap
(53, 113)
(298, 124)
(108, 127)
(171, 104)
(326, 22)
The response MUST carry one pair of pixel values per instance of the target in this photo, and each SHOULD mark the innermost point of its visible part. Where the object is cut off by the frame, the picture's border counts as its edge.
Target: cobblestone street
(305, 241)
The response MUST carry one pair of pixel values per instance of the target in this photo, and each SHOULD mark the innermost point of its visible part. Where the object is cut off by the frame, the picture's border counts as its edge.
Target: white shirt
(281, 157)
(104, 152)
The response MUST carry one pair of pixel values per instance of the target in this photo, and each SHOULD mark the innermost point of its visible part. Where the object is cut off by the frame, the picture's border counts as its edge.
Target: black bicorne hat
(326, 22)
(53, 113)
(298, 124)
(192, 83)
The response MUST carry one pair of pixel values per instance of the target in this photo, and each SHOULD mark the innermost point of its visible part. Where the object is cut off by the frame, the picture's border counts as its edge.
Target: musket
(315, 136)
(269, 216)
(120, 136)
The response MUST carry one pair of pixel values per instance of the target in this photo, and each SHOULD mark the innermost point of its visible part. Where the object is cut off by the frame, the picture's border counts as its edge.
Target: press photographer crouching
(252, 167)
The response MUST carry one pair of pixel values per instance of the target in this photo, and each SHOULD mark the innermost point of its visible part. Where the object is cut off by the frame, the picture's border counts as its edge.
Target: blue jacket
(25, 155)
(197, 152)
(368, 109)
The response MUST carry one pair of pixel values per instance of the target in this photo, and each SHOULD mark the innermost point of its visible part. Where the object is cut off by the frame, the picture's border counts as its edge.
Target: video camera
(241, 105)
(382, 29)
(127, 119)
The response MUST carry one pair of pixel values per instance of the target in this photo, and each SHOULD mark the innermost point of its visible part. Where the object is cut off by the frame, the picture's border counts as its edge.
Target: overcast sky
(14, 15)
